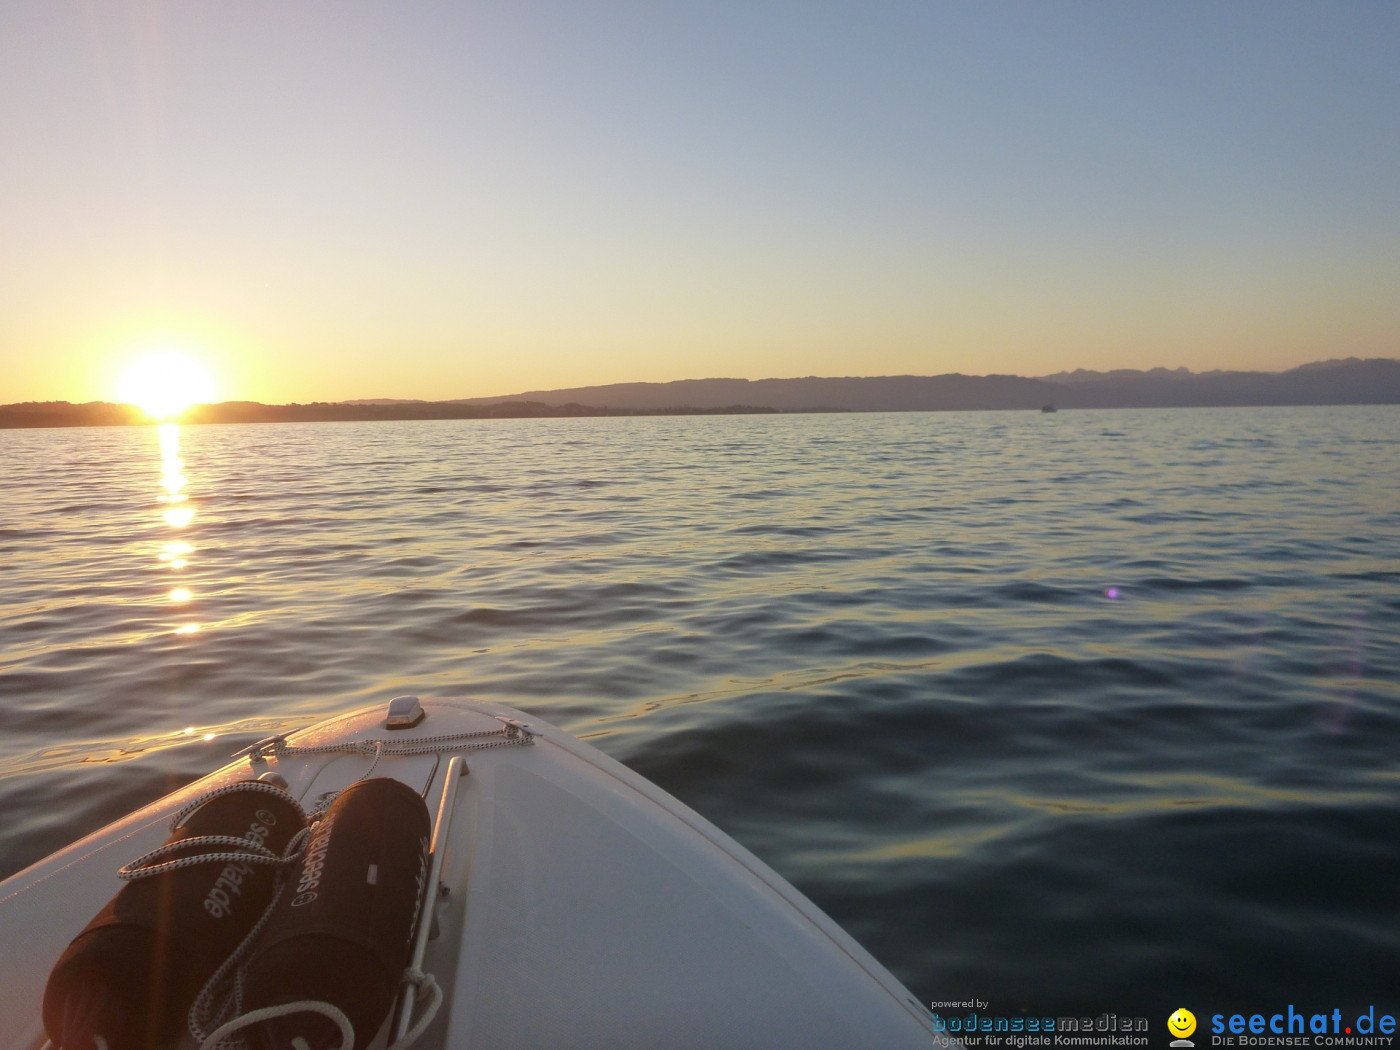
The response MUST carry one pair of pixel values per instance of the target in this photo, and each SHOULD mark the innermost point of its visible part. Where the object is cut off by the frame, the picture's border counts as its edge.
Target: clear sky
(330, 200)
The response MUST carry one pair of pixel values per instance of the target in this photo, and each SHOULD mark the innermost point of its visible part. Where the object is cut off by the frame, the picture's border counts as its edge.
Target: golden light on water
(172, 467)
(173, 553)
(165, 384)
(177, 510)
(177, 513)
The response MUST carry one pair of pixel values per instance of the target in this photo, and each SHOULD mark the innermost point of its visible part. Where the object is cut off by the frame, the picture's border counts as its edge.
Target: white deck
(587, 909)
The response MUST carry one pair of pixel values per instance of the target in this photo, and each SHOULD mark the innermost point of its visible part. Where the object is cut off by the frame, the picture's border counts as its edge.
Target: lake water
(1086, 712)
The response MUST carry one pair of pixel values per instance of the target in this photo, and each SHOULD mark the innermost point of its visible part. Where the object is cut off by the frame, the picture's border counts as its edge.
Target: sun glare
(165, 384)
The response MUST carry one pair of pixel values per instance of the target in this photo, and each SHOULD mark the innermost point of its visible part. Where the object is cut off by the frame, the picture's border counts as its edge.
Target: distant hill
(385, 401)
(1347, 382)
(850, 394)
(66, 414)
(1352, 381)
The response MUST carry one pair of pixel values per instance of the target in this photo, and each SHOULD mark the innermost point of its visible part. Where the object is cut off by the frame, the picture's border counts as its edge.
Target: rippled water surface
(1072, 713)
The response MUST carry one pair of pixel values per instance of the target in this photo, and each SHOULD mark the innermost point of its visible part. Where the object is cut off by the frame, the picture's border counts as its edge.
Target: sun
(164, 384)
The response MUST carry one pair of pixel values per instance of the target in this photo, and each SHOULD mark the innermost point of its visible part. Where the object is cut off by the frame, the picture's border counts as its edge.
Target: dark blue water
(1078, 713)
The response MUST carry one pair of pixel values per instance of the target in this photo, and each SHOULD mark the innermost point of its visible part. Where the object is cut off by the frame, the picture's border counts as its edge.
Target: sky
(335, 200)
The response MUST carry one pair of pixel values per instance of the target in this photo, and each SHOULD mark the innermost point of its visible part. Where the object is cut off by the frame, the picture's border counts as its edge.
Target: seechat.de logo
(1181, 1024)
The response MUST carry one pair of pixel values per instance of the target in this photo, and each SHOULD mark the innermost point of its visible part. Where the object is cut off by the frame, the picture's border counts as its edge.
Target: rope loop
(236, 850)
(230, 789)
(203, 1011)
(245, 852)
(428, 987)
(268, 1013)
(202, 1014)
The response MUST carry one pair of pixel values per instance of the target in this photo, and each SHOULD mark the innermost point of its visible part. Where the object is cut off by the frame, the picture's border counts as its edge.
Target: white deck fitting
(588, 908)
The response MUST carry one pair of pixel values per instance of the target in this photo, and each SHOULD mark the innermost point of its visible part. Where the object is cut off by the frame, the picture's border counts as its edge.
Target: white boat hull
(586, 907)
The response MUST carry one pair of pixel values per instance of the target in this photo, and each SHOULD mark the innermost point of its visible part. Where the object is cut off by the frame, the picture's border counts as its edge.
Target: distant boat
(1048, 408)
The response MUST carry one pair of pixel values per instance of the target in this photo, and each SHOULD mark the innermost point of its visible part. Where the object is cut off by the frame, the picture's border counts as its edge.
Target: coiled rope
(206, 1023)
(425, 982)
(241, 851)
(217, 1028)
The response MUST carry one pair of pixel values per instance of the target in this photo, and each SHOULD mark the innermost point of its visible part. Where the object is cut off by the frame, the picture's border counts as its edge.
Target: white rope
(427, 985)
(509, 735)
(268, 1013)
(200, 1018)
(151, 864)
(378, 754)
(230, 789)
(144, 866)
(242, 851)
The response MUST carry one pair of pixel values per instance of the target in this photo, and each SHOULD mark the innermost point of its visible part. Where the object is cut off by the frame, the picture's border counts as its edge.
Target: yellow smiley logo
(1182, 1023)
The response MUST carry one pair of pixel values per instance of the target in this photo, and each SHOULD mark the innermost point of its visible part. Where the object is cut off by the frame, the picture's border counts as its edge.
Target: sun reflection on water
(177, 510)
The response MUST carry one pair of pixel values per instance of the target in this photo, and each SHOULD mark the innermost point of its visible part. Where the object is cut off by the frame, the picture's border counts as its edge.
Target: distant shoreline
(1352, 381)
(35, 415)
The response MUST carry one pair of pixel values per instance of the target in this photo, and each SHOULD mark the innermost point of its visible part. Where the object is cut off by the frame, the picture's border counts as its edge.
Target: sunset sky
(342, 200)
